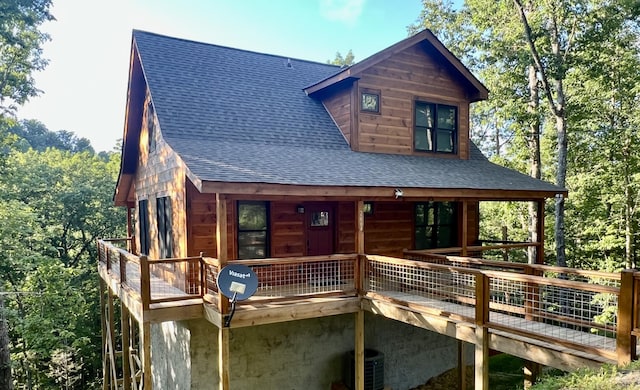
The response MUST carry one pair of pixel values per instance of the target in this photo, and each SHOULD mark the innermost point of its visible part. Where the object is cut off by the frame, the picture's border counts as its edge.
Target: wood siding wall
(388, 231)
(402, 79)
(201, 219)
(338, 104)
(160, 173)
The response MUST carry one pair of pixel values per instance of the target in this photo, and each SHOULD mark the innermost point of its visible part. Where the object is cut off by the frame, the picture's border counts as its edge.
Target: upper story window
(370, 101)
(165, 233)
(435, 128)
(143, 221)
(151, 127)
(435, 225)
(253, 230)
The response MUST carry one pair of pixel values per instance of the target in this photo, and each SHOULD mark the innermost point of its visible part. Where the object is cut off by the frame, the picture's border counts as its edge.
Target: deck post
(465, 227)
(126, 346)
(481, 376)
(540, 233)
(145, 330)
(625, 340)
(223, 358)
(462, 366)
(145, 285)
(531, 373)
(103, 307)
(359, 325)
(223, 255)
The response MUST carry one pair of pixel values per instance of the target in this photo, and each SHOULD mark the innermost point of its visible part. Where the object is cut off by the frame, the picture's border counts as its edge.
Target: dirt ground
(447, 381)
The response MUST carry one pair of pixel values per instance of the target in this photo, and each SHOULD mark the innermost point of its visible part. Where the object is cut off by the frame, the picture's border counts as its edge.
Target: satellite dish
(236, 282)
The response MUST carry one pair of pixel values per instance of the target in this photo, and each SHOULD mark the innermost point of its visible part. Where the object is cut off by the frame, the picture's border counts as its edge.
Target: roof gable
(431, 44)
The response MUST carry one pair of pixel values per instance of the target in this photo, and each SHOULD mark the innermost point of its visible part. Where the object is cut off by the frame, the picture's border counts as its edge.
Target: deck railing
(589, 311)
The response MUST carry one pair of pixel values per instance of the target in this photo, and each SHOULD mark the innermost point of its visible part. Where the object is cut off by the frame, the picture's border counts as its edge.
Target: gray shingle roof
(242, 117)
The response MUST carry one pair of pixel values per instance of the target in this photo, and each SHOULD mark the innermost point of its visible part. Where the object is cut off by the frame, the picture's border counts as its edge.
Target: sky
(84, 86)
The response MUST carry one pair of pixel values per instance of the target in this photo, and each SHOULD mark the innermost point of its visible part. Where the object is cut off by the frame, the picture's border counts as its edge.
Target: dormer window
(435, 128)
(370, 101)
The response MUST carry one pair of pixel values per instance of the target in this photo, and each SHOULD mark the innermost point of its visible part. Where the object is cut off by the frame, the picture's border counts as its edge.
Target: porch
(560, 317)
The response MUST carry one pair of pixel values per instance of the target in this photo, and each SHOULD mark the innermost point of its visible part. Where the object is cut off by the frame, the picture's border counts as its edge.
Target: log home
(299, 170)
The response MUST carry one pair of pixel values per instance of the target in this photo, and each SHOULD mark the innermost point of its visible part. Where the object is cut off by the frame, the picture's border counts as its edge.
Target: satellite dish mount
(236, 282)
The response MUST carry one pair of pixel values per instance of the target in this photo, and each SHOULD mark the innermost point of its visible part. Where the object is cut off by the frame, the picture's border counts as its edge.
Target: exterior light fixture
(398, 193)
(300, 209)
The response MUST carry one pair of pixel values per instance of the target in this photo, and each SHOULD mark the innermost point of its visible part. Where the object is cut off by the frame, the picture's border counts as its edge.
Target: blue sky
(85, 85)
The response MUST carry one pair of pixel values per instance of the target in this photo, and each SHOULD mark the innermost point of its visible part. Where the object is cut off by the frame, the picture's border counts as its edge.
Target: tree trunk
(534, 157)
(5, 356)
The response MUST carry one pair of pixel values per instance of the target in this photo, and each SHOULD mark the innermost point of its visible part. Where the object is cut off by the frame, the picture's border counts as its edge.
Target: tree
(21, 49)
(347, 60)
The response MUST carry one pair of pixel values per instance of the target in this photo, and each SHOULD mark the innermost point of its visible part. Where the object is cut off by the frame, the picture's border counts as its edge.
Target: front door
(320, 224)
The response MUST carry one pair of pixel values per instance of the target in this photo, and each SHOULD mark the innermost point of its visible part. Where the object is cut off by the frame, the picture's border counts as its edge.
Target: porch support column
(482, 333)
(103, 315)
(531, 373)
(359, 325)
(222, 253)
(145, 339)
(465, 226)
(126, 346)
(462, 366)
(540, 232)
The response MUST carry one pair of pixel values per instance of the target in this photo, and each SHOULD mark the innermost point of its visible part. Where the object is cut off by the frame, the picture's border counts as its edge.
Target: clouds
(345, 11)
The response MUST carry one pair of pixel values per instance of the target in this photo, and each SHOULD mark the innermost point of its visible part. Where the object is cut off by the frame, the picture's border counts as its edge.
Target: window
(143, 221)
(253, 230)
(370, 101)
(435, 224)
(165, 234)
(435, 128)
(151, 127)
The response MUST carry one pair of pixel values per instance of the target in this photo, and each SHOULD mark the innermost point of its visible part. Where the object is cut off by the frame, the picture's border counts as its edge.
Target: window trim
(267, 230)
(435, 128)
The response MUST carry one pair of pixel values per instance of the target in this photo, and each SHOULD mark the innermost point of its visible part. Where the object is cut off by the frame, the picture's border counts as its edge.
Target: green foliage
(347, 60)
(608, 377)
(20, 49)
(53, 205)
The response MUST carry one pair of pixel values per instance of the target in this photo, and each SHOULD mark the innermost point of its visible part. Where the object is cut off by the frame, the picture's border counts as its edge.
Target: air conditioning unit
(373, 370)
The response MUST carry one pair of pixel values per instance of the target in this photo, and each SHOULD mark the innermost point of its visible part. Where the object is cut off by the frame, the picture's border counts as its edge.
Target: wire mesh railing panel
(305, 278)
(441, 288)
(545, 310)
(171, 280)
(211, 277)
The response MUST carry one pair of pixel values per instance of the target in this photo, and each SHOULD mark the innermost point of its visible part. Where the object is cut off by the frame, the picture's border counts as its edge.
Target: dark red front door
(320, 222)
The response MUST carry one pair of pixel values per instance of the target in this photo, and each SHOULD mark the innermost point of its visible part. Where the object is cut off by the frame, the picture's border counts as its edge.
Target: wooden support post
(359, 351)
(540, 233)
(145, 350)
(359, 325)
(111, 344)
(482, 333)
(221, 245)
(103, 323)
(223, 358)
(465, 227)
(505, 238)
(531, 373)
(359, 243)
(462, 366)
(126, 345)
(145, 285)
(625, 340)
(123, 268)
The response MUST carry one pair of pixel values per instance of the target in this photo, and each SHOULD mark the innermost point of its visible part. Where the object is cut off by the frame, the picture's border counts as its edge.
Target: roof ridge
(138, 31)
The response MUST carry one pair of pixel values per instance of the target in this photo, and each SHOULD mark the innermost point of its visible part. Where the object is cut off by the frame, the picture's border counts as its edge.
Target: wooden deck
(514, 312)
